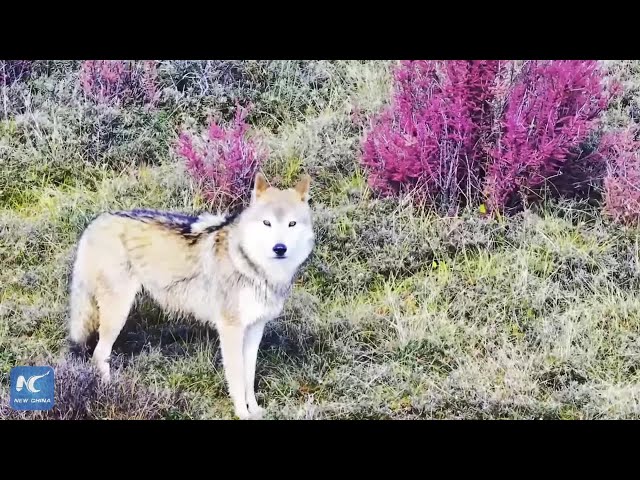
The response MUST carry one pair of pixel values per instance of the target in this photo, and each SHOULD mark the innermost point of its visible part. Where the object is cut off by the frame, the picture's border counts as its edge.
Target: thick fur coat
(232, 271)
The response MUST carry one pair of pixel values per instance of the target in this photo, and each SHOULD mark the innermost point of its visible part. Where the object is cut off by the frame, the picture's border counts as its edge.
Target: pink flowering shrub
(464, 131)
(431, 139)
(223, 160)
(118, 82)
(552, 110)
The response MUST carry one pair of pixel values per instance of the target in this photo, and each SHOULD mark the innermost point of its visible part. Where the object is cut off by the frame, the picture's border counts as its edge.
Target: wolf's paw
(250, 414)
(242, 413)
(256, 412)
(254, 408)
(104, 371)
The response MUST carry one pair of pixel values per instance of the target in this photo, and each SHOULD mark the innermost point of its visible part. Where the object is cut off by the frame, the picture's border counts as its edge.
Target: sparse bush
(223, 160)
(282, 91)
(624, 109)
(52, 136)
(461, 131)
(12, 71)
(80, 395)
(117, 82)
(324, 147)
(622, 183)
(14, 75)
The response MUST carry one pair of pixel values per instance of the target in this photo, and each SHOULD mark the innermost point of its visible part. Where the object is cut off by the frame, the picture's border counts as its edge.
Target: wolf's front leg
(231, 344)
(252, 340)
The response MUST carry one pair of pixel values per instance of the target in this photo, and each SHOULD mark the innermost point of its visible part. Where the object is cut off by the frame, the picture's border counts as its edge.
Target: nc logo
(30, 384)
(32, 388)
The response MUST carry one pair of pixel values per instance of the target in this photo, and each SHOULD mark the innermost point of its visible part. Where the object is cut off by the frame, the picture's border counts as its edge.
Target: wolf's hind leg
(114, 309)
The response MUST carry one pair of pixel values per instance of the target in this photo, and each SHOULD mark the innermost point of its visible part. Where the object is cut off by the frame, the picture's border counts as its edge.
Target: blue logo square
(32, 388)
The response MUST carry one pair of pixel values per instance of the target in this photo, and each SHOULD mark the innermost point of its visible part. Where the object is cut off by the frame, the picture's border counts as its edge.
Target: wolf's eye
(267, 223)
(292, 224)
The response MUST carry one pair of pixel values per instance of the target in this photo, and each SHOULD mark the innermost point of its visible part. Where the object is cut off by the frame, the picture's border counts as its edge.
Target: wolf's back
(150, 244)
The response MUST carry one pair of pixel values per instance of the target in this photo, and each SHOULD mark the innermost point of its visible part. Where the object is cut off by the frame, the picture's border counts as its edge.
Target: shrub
(460, 131)
(430, 139)
(116, 82)
(223, 160)
(552, 111)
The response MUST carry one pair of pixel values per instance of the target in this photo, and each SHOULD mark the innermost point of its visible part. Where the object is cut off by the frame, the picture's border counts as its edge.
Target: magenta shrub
(118, 82)
(552, 111)
(431, 139)
(462, 131)
(223, 160)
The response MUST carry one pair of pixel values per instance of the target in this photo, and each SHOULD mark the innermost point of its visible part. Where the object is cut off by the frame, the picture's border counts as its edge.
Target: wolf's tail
(83, 312)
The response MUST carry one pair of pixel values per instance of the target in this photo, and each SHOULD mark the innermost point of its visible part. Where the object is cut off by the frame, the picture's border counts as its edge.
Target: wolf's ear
(260, 185)
(302, 187)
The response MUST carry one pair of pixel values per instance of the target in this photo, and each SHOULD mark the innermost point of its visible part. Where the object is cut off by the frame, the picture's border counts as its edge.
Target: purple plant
(553, 108)
(459, 131)
(431, 139)
(118, 82)
(223, 160)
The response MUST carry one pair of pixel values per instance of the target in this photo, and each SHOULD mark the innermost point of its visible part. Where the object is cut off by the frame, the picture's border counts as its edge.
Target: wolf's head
(276, 228)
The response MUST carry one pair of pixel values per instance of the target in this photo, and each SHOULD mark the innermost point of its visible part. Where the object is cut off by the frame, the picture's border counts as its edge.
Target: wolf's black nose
(280, 249)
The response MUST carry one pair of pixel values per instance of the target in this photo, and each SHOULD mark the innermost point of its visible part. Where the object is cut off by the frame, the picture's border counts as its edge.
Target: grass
(400, 314)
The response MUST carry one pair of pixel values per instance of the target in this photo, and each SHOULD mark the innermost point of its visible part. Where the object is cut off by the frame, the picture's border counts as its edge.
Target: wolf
(232, 271)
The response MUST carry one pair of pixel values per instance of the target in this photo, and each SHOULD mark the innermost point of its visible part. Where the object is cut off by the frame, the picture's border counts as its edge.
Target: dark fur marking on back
(148, 215)
(175, 283)
(180, 223)
(229, 219)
